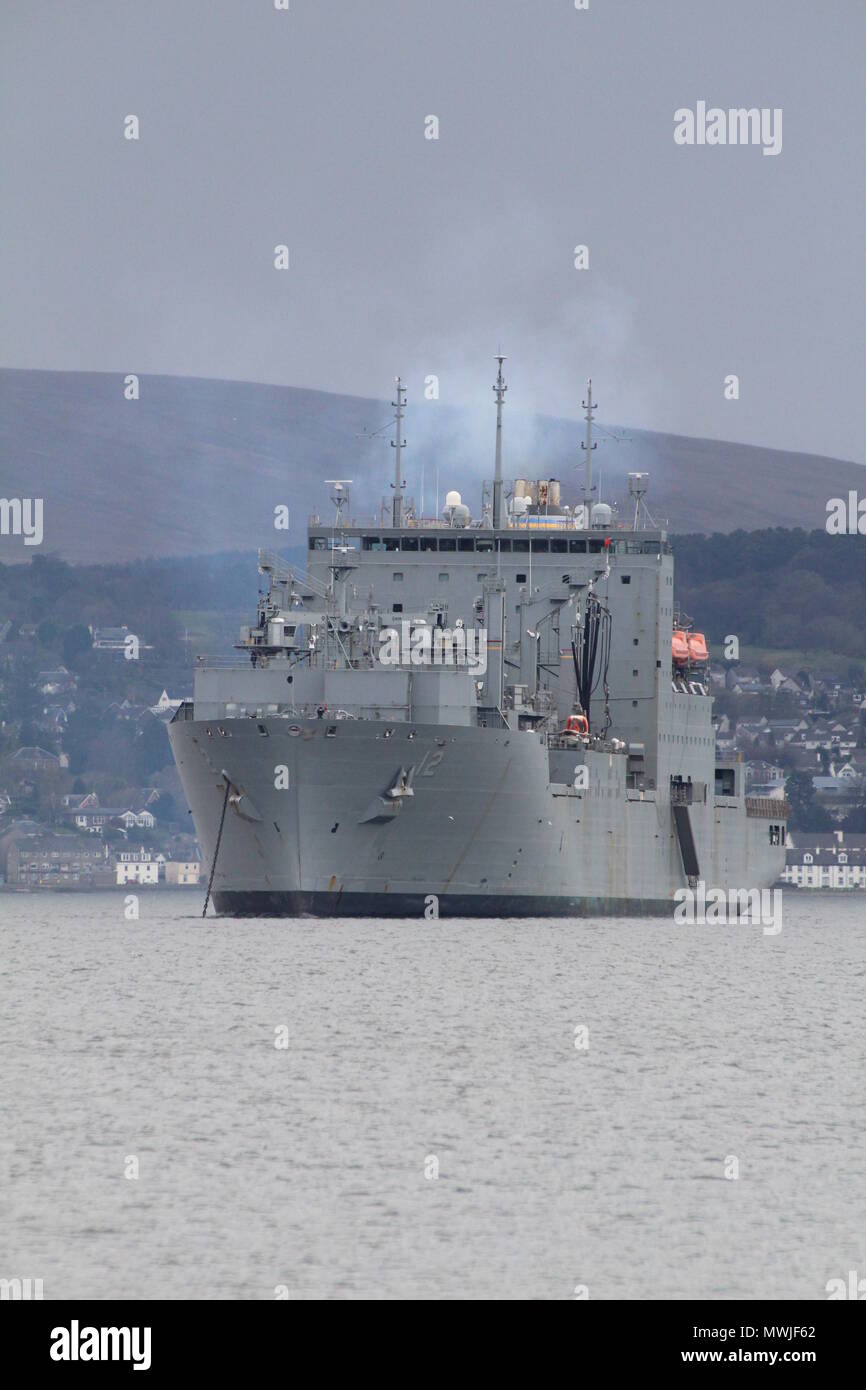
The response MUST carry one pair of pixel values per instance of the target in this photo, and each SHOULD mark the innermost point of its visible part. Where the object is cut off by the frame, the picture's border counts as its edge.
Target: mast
(588, 446)
(398, 445)
(499, 390)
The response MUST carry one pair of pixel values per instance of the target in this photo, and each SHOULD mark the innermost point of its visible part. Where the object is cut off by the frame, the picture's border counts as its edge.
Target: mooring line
(217, 850)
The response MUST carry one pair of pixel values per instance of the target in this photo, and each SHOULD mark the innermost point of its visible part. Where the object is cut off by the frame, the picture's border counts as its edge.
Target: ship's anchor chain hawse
(389, 804)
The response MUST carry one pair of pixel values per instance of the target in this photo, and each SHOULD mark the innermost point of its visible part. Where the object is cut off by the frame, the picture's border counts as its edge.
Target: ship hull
(488, 825)
(462, 905)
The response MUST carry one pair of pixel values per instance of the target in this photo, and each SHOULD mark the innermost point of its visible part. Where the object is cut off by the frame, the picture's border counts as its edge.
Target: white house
(831, 859)
(145, 820)
(137, 870)
(822, 869)
(181, 872)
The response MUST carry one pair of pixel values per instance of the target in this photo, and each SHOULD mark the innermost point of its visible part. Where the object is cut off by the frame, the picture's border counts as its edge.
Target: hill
(194, 467)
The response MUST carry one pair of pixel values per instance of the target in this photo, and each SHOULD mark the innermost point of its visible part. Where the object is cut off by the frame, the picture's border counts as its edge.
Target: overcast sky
(556, 128)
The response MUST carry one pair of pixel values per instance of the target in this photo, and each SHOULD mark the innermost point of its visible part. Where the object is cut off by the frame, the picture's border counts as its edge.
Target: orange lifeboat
(698, 653)
(576, 726)
(680, 647)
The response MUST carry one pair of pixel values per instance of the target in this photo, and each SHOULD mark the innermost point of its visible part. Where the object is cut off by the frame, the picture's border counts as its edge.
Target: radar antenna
(638, 483)
(339, 497)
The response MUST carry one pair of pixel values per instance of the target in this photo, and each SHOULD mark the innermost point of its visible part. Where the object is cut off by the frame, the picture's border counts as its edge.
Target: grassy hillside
(195, 467)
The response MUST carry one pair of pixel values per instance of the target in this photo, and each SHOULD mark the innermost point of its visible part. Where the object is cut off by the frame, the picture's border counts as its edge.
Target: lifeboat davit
(698, 653)
(680, 647)
(576, 727)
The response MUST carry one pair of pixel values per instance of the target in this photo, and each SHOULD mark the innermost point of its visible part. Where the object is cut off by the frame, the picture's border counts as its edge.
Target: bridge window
(541, 547)
(447, 544)
(505, 547)
(428, 542)
(577, 547)
(466, 543)
(522, 547)
(370, 543)
(409, 543)
(558, 546)
(392, 542)
(484, 544)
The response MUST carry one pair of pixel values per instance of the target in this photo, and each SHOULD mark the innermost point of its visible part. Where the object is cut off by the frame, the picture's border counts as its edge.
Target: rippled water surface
(412, 1043)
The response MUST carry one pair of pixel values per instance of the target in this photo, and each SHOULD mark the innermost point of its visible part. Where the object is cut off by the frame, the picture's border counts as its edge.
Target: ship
(504, 716)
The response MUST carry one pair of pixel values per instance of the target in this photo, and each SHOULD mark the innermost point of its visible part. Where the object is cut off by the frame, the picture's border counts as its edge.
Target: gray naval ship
(499, 717)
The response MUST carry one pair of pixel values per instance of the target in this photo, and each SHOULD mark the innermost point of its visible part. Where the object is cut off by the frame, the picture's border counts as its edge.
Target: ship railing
(561, 742)
(232, 710)
(263, 663)
(269, 560)
(222, 663)
(622, 528)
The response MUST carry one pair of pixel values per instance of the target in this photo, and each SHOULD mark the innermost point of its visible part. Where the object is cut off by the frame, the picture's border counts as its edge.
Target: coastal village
(802, 737)
(69, 819)
(65, 825)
